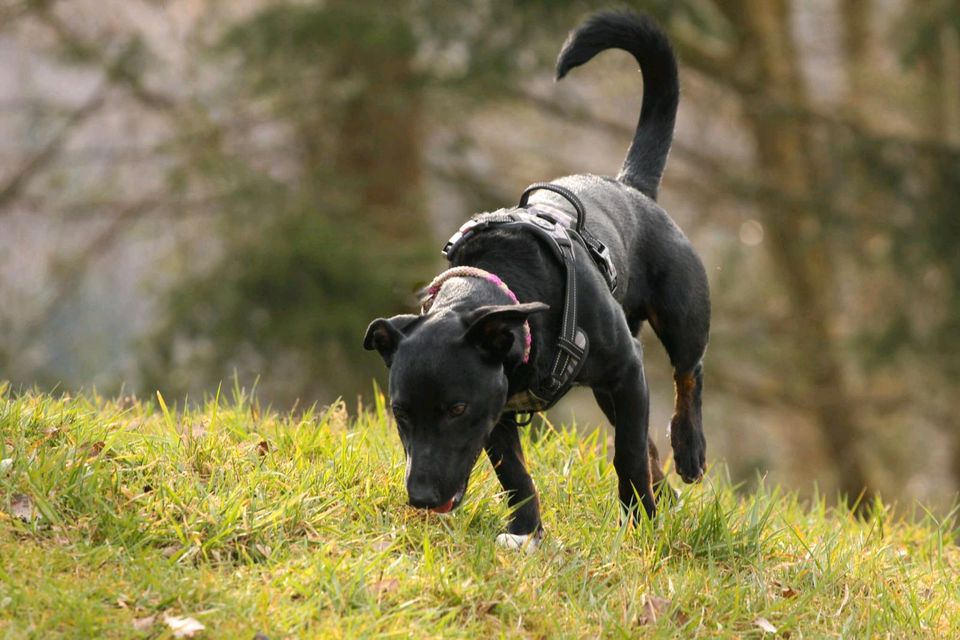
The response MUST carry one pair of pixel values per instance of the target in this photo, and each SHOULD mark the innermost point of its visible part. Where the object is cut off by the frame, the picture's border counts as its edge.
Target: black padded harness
(559, 231)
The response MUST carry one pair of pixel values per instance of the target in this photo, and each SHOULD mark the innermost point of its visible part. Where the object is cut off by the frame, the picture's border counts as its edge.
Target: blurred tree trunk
(942, 70)
(798, 248)
(379, 143)
(855, 15)
(945, 85)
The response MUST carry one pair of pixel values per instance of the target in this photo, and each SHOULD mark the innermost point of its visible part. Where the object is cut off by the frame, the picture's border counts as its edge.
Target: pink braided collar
(473, 272)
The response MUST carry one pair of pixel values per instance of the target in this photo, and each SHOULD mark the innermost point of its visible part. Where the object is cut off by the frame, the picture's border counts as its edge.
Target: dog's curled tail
(642, 37)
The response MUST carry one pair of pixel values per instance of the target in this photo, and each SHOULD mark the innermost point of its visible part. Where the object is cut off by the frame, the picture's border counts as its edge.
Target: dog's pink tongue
(444, 508)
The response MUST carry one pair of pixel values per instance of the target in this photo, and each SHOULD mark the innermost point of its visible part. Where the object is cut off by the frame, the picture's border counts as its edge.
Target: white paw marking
(528, 543)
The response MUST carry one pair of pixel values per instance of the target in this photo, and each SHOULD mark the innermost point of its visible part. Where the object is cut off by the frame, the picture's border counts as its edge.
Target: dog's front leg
(660, 485)
(506, 455)
(631, 403)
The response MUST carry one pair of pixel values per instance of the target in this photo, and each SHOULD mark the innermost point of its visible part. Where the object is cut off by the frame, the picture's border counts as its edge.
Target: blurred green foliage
(308, 263)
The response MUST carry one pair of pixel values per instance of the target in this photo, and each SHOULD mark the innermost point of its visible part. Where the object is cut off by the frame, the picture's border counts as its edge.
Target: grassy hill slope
(115, 515)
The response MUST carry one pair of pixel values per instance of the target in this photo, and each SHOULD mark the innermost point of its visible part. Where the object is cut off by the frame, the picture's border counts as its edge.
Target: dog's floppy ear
(492, 327)
(385, 334)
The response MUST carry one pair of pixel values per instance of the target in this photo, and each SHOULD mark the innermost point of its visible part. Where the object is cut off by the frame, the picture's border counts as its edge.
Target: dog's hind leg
(686, 425)
(506, 454)
(680, 315)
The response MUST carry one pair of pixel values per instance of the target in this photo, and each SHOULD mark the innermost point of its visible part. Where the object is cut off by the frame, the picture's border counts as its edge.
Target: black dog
(484, 347)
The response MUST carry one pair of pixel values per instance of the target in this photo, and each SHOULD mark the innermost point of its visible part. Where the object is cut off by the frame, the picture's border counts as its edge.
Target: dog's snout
(422, 490)
(422, 495)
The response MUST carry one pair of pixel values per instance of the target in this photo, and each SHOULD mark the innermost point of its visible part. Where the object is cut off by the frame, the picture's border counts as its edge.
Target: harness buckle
(572, 349)
(605, 262)
(543, 221)
(462, 232)
(553, 384)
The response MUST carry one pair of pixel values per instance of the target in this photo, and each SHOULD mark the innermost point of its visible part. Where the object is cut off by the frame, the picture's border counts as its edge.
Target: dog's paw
(528, 543)
(689, 469)
(689, 451)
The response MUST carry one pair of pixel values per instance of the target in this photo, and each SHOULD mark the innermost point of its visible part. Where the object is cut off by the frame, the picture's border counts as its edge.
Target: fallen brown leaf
(785, 590)
(764, 624)
(144, 624)
(93, 449)
(681, 617)
(22, 507)
(653, 608)
(183, 627)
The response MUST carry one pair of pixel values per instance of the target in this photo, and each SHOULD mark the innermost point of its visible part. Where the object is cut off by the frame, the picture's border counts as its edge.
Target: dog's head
(448, 388)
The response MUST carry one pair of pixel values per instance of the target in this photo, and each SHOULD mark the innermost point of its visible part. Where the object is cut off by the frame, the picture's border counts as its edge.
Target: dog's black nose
(423, 496)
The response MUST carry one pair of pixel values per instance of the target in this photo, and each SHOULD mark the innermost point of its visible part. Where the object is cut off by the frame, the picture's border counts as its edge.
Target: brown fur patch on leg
(684, 387)
(666, 495)
(656, 471)
(686, 430)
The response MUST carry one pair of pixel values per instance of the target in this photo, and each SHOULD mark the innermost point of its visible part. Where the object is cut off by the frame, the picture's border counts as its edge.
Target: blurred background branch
(36, 162)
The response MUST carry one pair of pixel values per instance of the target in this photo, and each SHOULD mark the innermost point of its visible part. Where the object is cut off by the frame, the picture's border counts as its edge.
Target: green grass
(295, 525)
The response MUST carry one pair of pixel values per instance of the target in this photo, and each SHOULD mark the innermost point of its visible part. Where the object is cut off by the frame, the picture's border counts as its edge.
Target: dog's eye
(399, 414)
(456, 410)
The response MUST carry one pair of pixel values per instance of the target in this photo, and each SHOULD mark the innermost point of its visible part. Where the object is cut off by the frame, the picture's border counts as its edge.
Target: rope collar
(474, 272)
